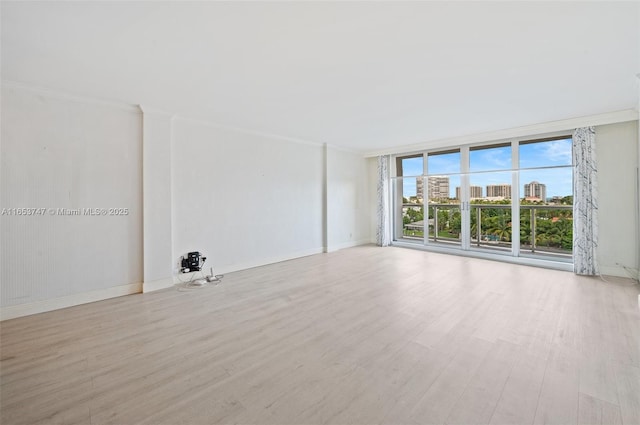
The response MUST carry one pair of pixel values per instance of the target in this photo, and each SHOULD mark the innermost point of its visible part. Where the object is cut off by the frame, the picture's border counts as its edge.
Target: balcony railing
(545, 230)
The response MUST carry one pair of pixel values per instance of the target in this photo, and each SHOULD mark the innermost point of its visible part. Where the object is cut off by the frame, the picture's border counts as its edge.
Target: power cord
(633, 281)
(202, 281)
(193, 277)
(633, 273)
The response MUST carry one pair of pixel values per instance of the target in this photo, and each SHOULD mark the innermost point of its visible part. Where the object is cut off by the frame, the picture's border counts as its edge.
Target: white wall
(63, 152)
(348, 208)
(157, 204)
(617, 156)
(244, 199)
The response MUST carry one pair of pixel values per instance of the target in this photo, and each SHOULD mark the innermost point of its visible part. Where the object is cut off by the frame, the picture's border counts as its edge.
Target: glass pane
(545, 154)
(546, 213)
(410, 166)
(444, 197)
(547, 185)
(490, 211)
(445, 224)
(443, 189)
(491, 226)
(410, 187)
(445, 219)
(410, 209)
(443, 163)
(494, 187)
(490, 158)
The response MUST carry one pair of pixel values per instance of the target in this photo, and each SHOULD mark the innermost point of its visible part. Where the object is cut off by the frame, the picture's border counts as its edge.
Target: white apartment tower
(475, 192)
(499, 191)
(438, 187)
(535, 190)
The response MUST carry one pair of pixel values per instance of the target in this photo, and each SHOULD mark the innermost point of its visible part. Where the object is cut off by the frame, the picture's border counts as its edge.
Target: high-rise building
(499, 191)
(474, 191)
(438, 187)
(420, 188)
(535, 190)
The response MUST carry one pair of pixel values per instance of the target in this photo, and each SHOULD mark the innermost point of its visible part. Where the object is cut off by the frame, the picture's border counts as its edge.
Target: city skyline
(492, 166)
(531, 190)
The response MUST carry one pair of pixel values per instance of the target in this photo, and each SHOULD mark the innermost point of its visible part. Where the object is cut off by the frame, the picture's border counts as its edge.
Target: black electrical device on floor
(192, 262)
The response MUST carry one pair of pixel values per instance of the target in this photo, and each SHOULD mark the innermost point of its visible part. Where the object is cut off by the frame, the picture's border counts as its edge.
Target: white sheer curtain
(585, 202)
(383, 232)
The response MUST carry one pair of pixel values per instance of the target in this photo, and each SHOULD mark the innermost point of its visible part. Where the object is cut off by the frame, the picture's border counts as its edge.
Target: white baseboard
(264, 261)
(20, 310)
(14, 311)
(185, 277)
(349, 244)
(156, 285)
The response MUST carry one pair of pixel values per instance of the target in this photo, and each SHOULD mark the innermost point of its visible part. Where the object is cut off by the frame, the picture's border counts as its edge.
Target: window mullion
(425, 200)
(465, 200)
(515, 198)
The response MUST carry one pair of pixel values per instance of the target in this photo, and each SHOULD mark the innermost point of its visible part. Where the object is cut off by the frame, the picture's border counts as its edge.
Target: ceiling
(358, 75)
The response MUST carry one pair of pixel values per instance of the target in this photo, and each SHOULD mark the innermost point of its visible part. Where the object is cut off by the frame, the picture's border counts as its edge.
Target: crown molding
(57, 94)
(146, 109)
(149, 110)
(524, 131)
(248, 131)
(343, 149)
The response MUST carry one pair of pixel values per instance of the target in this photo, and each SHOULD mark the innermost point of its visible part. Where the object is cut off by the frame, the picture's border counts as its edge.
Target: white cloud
(558, 151)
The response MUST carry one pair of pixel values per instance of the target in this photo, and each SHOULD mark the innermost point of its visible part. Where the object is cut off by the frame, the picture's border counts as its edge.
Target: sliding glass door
(546, 206)
(408, 198)
(444, 180)
(490, 198)
(512, 198)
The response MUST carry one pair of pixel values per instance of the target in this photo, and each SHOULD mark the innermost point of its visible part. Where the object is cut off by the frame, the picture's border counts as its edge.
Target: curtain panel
(585, 202)
(383, 229)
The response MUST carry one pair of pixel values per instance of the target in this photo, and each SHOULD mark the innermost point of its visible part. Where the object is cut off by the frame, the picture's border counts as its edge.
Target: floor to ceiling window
(546, 206)
(443, 180)
(490, 211)
(511, 198)
(408, 190)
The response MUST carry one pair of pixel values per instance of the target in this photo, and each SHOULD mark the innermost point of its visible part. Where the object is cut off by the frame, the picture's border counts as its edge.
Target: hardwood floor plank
(362, 335)
(436, 405)
(427, 367)
(628, 381)
(593, 411)
(479, 400)
(519, 397)
(558, 400)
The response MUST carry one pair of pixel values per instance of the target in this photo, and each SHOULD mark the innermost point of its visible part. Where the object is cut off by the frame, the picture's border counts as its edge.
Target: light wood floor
(365, 335)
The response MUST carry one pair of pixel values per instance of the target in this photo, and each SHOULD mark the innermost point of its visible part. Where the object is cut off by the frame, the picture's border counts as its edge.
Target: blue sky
(493, 165)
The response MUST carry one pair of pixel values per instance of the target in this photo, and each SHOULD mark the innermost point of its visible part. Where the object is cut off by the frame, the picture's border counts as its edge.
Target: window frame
(465, 149)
